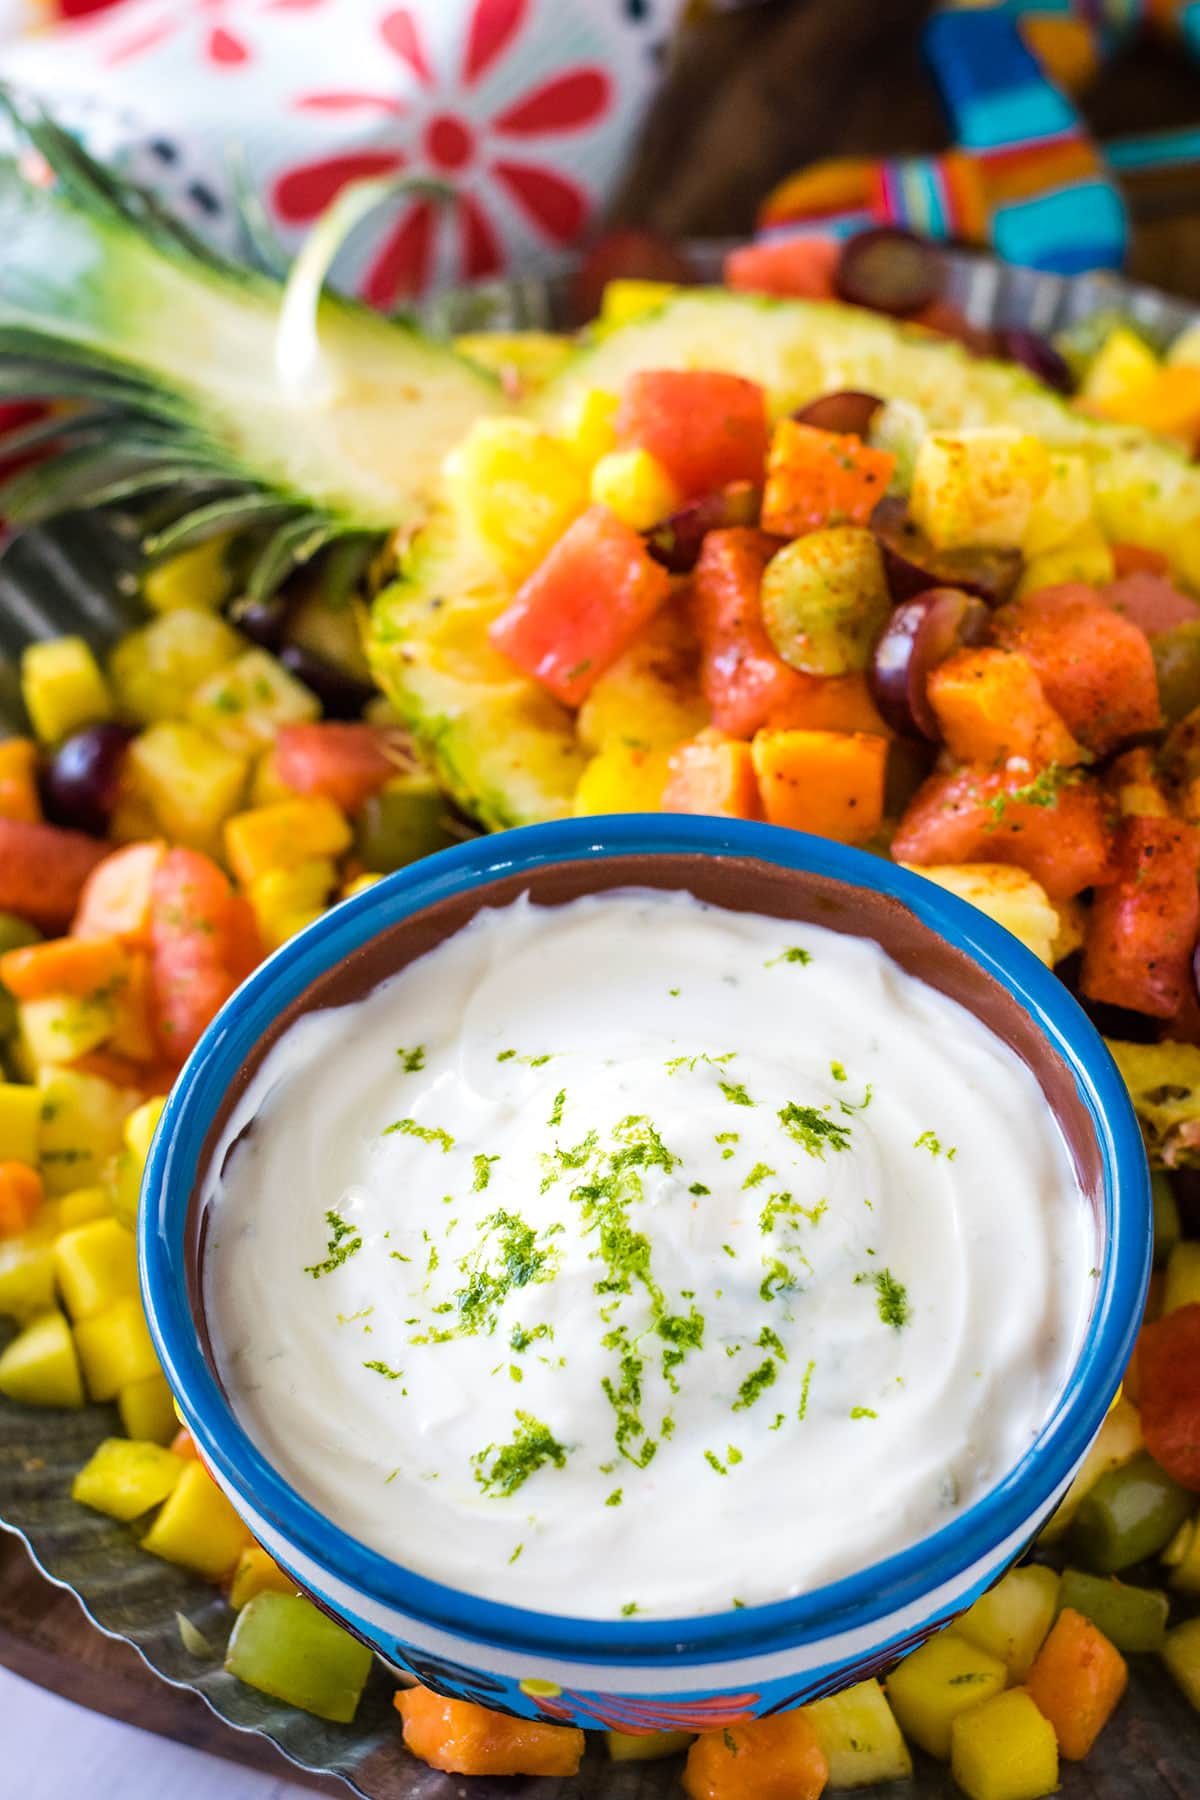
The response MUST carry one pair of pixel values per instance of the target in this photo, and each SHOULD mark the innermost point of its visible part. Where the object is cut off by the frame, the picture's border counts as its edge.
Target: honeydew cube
(1118, 1441)
(125, 1479)
(517, 488)
(115, 1349)
(1062, 509)
(190, 782)
(284, 1646)
(286, 900)
(147, 1410)
(1004, 1750)
(26, 1274)
(199, 578)
(1012, 1619)
(945, 1677)
(40, 1366)
(623, 778)
(197, 1528)
(301, 830)
(63, 688)
(244, 705)
(1183, 1276)
(63, 1026)
(20, 1122)
(82, 1116)
(978, 487)
(96, 1266)
(1085, 556)
(634, 485)
(645, 1746)
(81, 1206)
(1123, 363)
(257, 1573)
(155, 671)
(858, 1732)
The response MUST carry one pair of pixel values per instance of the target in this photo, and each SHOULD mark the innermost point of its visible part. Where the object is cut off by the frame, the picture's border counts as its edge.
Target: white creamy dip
(637, 1256)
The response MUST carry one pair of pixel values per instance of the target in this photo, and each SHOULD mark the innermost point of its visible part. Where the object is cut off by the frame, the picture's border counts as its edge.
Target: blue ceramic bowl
(686, 1673)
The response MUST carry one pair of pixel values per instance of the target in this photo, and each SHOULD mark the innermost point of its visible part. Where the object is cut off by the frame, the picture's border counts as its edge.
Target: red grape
(342, 695)
(676, 542)
(889, 270)
(1037, 355)
(627, 254)
(82, 780)
(912, 564)
(847, 411)
(921, 633)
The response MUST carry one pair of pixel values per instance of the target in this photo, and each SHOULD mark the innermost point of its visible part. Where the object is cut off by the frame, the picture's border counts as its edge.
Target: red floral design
(221, 46)
(640, 1717)
(443, 134)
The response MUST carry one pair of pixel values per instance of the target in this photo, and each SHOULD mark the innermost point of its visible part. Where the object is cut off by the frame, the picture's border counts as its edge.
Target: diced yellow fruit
(287, 900)
(627, 299)
(147, 1410)
(63, 688)
(191, 783)
(522, 359)
(20, 1122)
(1086, 556)
(40, 1366)
(1183, 1276)
(634, 485)
(63, 1027)
(978, 487)
(1118, 1441)
(115, 1349)
(623, 778)
(245, 704)
(81, 1206)
(133, 819)
(266, 788)
(1006, 894)
(197, 1528)
(650, 698)
(594, 432)
(200, 578)
(155, 671)
(1185, 349)
(257, 1573)
(27, 1274)
(96, 1266)
(82, 1116)
(945, 1677)
(858, 1732)
(303, 829)
(1011, 1619)
(517, 487)
(1062, 509)
(1181, 1654)
(1004, 1750)
(1181, 1556)
(1124, 361)
(125, 1479)
(646, 1746)
(141, 1125)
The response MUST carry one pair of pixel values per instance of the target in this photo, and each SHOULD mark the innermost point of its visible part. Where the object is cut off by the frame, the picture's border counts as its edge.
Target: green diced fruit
(63, 688)
(197, 578)
(197, 1528)
(63, 1027)
(1004, 1750)
(284, 1646)
(1128, 1516)
(40, 1366)
(125, 1479)
(155, 671)
(115, 1348)
(1117, 1442)
(1182, 1656)
(191, 783)
(1183, 1276)
(943, 1678)
(26, 1274)
(405, 820)
(257, 1573)
(858, 1732)
(147, 1410)
(1167, 1227)
(81, 1124)
(244, 705)
(1012, 1619)
(645, 1746)
(1182, 1557)
(20, 1122)
(1132, 1618)
(97, 1266)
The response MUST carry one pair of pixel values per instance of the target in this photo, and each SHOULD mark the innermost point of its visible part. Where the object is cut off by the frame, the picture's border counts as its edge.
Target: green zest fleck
(506, 1056)
(776, 1422)
(414, 1060)
(804, 1387)
(728, 1139)
(968, 1679)
(809, 1127)
(894, 1308)
(735, 1093)
(516, 1553)
(729, 1741)
(428, 1134)
(714, 1462)
(1043, 790)
(689, 1062)
(733, 1455)
(779, 1279)
(848, 1106)
(556, 1111)
(783, 1206)
(862, 1412)
(520, 1338)
(698, 1187)
(770, 1340)
(930, 1141)
(838, 1071)
(629, 1608)
(483, 1172)
(759, 1173)
(794, 954)
(343, 1242)
(616, 1497)
(381, 1368)
(533, 1445)
(754, 1385)
(729, 1249)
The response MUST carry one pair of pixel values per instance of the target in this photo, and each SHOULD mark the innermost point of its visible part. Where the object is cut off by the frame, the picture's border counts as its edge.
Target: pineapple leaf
(295, 543)
(231, 513)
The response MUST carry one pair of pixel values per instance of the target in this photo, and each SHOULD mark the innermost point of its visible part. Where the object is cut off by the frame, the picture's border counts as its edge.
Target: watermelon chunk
(43, 870)
(1095, 666)
(745, 682)
(1143, 924)
(204, 942)
(1150, 601)
(705, 428)
(795, 268)
(346, 763)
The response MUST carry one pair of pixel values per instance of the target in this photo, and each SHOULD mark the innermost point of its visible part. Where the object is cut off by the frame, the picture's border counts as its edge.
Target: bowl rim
(852, 1602)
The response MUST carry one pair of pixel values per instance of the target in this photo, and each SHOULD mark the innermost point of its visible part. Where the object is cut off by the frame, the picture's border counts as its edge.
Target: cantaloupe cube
(1012, 1619)
(1183, 1276)
(125, 1479)
(82, 1116)
(945, 1677)
(517, 487)
(257, 1573)
(1004, 1750)
(303, 829)
(40, 1367)
(96, 1266)
(27, 1273)
(155, 671)
(244, 704)
(63, 1027)
(63, 688)
(978, 487)
(199, 578)
(20, 1122)
(191, 783)
(858, 1732)
(147, 1410)
(197, 1528)
(115, 1348)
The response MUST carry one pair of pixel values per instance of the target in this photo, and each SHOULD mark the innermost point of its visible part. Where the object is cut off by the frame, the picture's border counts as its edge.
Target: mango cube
(1004, 1750)
(189, 781)
(197, 1528)
(285, 835)
(63, 1026)
(945, 1677)
(244, 704)
(40, 1367)
(114, 1348)
(1012, 1619)
(1183, 1276)
(978, 487)
(286, 1647)
(635, 486)
(155, 671)
(858, 1732)
(645, 1746)
(1063, 508)
(63, 688)
(1123, 362)
(96, 1266)
(80, 1207)
(623, 778)
(82, 1117)
(1182, 1657)
(199, 578)
(27, 1274)
(257, 1573)
(147, 1410)
(517, 487)
(20, 1122)
(286, 900)
(125, 1479)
